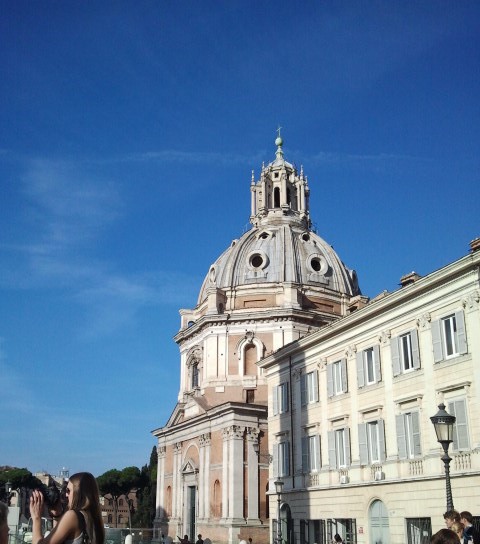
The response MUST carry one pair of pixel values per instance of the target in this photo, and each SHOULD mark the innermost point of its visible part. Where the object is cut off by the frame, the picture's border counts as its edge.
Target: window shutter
(417, 447)
(275, 400)
(285, 398)
(287, 459)
(395, 354)
(460, 429)
(332, 457)
(415, 349)
(360, 370)
(318, 457)
(276, 464)
(305, 452)
(315, 386)
(362, 443)
(347, 446)
(303, 389)
(401, 442)
(437, 341)
(343, 364)
(381, 439)
(461, 333)
(330, 380)
(378, 370)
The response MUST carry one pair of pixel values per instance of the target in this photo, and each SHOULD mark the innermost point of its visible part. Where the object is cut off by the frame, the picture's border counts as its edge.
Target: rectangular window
(337, 378)
(371, 440)
(449, 337)
(311, 453)
(283, 459)
(461, 439)
(346, 528)
(368, 366)
(369, 360)
(309, 388)
(280, 399)
(405, 352)
(339, 448)
(408, 435)
(419, 530)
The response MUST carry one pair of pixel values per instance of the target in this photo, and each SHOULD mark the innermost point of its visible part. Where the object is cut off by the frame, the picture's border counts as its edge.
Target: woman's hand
(36, 504)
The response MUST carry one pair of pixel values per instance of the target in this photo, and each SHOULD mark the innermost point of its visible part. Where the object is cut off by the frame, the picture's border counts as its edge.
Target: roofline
(458, 267)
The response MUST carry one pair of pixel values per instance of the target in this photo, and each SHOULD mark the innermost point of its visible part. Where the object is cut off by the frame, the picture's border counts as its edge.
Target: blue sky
(129, 131)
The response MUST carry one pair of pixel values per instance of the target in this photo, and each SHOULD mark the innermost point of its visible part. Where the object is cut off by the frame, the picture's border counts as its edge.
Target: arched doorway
(379, 531)
(286, 524)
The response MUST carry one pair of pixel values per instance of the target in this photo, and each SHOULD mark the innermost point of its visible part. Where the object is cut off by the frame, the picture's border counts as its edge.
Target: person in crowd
(450, 517)
(81, 522)
(184, 540)
(3, 523)
(457, 527)
(469, 531)
(337, 539)
(199, 539)
(444, 536)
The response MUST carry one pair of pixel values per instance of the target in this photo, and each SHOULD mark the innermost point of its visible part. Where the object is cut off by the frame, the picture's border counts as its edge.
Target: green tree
(146, 494)
(117, 483)
(18, 478)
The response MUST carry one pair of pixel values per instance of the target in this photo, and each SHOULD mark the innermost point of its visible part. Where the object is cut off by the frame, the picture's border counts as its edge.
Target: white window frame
(281, 459)
(280, 398)
(339, 448)
(309, 388)
(408, 435)
(405, 352)
(337, 378)
(371, 439)
(450, 326)
(311, 455)
(366, 364)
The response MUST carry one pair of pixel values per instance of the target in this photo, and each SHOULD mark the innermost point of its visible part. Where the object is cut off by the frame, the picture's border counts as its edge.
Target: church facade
(276, 284)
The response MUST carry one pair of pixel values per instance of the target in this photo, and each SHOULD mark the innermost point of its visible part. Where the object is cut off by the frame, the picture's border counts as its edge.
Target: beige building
(277, 283)
(350, 406)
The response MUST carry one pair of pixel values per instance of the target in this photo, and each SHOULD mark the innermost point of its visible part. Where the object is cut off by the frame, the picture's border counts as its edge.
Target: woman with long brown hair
(81, 523)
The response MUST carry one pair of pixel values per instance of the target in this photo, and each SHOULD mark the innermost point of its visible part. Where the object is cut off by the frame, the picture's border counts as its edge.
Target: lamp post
(443, 423)
(278, 490)
(267, 456)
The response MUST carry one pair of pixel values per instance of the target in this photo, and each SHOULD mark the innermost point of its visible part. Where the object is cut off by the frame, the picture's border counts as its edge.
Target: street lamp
(278, 490)
(267, 456)
(443, 423)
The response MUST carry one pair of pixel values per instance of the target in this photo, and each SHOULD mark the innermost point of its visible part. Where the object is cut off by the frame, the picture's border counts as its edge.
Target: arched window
(120, 519)
(120, 502)
(276, 197)
(195, 375)
(109, 518)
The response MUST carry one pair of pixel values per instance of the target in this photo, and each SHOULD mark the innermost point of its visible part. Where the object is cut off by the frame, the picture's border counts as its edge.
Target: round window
(256, 261)
(316, 264)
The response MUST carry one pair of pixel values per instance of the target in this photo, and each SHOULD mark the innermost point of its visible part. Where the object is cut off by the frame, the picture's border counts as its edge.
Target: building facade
(349, 413)
(277, 283)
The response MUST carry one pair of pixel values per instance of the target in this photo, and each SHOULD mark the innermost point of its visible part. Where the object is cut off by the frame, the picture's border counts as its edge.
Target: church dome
(280, 249)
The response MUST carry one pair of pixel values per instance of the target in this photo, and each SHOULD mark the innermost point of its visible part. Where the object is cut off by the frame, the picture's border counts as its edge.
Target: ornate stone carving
(161, 451)
(205, 440)
(471, 299)
(351, 350)
(424, 320)
(177, 447)
(384, 336)
(252, 434)
(296, 374)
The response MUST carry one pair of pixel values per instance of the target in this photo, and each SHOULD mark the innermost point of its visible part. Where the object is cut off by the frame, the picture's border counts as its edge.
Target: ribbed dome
(282, 253)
